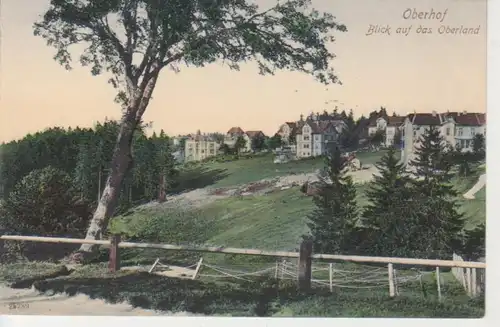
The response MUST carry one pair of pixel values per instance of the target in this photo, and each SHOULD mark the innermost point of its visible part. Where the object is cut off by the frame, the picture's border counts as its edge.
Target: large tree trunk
(120, 164)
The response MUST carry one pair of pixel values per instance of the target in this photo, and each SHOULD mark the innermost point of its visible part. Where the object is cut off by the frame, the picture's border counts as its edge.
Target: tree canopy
(134, 39)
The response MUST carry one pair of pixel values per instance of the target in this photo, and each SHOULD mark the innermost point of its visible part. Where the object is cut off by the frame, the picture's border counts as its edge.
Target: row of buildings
(316, 134)
(200, 146)
(313, 136)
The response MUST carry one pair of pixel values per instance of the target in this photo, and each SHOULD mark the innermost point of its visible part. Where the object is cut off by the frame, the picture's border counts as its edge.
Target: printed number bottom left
(14, 306)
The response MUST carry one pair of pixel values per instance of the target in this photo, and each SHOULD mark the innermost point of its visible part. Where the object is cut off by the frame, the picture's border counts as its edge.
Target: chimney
(434, 113)
(465, 112)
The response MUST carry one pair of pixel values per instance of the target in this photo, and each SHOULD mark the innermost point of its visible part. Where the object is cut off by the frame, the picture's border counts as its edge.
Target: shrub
(43, 203)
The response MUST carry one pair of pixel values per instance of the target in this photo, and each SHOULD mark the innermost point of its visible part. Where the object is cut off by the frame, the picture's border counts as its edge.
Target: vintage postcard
(249, 158)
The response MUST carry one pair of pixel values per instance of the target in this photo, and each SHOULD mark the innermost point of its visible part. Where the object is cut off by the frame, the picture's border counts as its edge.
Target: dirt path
(32, 302)
(203, 196)
(481, 182)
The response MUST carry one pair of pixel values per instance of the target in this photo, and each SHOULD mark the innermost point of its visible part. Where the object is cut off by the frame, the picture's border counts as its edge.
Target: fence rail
(305, 257)
(278, 254)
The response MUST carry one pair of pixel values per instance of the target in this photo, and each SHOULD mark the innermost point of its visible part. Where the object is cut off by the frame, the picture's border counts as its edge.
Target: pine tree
(474, 246)
(333, 221)
(432, 164)
(479, 147)
(385, 216)
(439, 216)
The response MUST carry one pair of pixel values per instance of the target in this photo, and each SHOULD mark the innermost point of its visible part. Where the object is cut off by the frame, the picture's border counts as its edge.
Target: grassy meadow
(275, 221)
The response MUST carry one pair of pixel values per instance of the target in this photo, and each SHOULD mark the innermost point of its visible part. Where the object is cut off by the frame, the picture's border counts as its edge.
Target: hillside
(250, 169)
(265, 217)
(252, 204)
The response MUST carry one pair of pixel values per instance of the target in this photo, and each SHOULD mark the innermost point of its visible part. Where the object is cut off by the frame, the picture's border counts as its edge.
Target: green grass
(273, 222)
(261, 167)
(260, 296)
(10, 273)
(475, 209)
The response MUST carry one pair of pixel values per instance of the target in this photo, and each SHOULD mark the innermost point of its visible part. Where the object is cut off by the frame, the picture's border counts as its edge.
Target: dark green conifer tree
(439, 216)
(334, 219)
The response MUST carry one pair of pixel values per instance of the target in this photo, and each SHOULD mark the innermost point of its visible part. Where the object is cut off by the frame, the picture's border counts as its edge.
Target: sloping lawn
(245, 170)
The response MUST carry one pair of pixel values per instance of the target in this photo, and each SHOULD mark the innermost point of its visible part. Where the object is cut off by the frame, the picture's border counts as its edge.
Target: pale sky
(403, 73)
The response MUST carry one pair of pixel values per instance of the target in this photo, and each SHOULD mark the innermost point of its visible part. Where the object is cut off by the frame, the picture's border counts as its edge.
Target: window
(460, 131)
(448, 131)
(306, 137)
(305, 129)
(473, 131)
(316, 137)
(306, 146)
(316, 146)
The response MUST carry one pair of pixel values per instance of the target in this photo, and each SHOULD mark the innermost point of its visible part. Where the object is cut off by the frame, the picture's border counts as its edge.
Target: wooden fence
(305, 257)
(472, 280)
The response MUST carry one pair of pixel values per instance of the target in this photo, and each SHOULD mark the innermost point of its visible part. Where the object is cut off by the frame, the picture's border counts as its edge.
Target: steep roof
(373, 121)
(317, 127)
(235, 130)
(471, 119)
(200, 138)
(395, 121)
(467, 118)
(252, 134)
(425, 119)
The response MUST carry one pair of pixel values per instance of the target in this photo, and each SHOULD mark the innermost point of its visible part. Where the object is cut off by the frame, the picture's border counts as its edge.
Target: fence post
(481, 277)
(331, 277)
(438, 281)
(305, 262)
(469, 281)
(395, 278)
(391, 279)
(114, 254)
(197, 270)
(474, 282)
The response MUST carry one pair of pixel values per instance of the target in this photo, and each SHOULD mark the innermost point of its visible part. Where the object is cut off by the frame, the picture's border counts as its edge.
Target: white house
(391, 125)
(314, 138)
(286, 130)
(199, 147)
(457, 128)
(466, 126)
(393, 129)
(379, 124)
